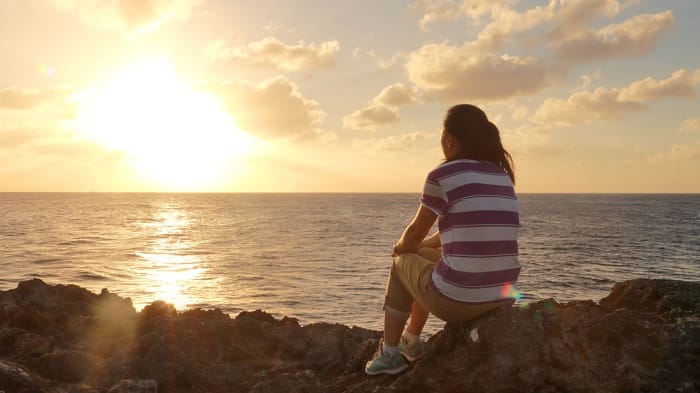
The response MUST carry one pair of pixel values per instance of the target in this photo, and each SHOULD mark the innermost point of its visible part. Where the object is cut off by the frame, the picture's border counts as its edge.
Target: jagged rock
(665, 298)
(304, 381)
(135, 386)
(15, 379)
(64, 366)
(643, 337)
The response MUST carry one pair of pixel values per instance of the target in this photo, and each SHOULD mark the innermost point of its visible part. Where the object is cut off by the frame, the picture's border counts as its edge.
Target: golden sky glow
(176, 136)
(306, 96)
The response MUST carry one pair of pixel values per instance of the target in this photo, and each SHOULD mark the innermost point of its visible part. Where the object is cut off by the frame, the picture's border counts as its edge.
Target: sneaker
(412, 352)
(386, 364)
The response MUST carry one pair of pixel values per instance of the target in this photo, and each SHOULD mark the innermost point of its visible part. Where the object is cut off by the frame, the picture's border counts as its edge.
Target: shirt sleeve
(434, 197)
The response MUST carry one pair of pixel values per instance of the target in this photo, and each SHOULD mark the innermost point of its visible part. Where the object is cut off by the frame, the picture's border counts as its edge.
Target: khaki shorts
(410, 280)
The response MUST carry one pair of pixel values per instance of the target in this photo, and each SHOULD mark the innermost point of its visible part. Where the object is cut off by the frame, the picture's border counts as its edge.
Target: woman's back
(478, 225)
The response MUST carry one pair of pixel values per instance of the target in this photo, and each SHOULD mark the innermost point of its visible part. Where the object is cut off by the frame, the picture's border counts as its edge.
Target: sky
(590, 96)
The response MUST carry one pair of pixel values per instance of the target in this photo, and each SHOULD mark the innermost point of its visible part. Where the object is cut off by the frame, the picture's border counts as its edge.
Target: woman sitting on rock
(470, 266)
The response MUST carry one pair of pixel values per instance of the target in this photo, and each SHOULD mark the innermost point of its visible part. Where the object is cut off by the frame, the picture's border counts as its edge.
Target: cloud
(566, 21)
(396, 95)
(679, 84)
(679, 153)
(691, 124)
(78, 150)
(684, 152)
(453, 73)
(585, 107)
(574, 16)
(272, 109)
(635, 36)
(436, 11)
(22, 99)
(134, 17)
(371, 117)
(394, 143)
(397, 58)
(503, 20)
(275, 53)
(382, 110)
(519, 113)
(50, 141)
(605, 104)
(560, 32)
(443, 11)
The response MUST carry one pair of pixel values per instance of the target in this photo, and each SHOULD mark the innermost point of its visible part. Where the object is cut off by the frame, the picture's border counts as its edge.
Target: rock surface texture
(643, 337)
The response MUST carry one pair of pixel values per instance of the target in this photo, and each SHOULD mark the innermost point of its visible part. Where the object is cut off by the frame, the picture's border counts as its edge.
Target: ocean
(322, 257)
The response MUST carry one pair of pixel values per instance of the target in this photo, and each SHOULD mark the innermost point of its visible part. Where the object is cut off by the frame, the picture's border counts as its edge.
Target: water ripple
(322, 257)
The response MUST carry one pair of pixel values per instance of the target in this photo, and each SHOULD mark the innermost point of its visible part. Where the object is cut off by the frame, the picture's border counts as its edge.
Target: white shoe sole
(411, 358)
(389, 372)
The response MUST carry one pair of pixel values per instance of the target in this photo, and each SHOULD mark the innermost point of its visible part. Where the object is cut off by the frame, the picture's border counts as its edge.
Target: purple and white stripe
(478, 225)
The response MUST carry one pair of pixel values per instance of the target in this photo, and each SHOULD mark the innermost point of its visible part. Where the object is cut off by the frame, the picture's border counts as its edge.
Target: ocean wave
(89, 276)
(46, 261)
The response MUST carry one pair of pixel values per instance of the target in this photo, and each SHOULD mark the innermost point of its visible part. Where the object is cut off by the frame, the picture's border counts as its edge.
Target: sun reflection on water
(169, 266)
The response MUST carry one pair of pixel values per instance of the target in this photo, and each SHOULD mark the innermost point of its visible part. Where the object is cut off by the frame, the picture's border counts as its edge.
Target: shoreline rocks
(643, 337)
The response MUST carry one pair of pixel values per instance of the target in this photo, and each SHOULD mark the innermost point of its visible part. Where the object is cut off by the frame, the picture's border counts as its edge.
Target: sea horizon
(332, 192)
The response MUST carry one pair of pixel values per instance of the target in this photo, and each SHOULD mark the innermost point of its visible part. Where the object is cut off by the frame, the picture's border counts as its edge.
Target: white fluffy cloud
(560, 32)
(382, 110)
(603, 104)
(273, 109)
(679, 84)
(454, 73)
(585, 107)
(442, 11)
(275, 53)
(396, 95)
(500, 20)
(635, 36)
(131, 16)
(371, 117)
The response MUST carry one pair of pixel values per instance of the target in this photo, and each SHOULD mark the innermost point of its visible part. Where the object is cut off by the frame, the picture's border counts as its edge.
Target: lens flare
(511, 291)
(46, 70)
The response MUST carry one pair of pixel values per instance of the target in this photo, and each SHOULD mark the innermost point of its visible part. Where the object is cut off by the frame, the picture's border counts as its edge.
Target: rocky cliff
(643, 337)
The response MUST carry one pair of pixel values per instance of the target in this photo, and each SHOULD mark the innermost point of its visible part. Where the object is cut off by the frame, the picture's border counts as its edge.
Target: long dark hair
(478, 138)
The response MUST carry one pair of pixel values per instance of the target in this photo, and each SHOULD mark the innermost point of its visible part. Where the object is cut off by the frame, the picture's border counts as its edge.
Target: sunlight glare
(176, 136)
(168, 264)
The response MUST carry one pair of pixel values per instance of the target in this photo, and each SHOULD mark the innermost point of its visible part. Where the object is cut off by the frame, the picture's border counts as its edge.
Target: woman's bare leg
(418, 318)
(393, 327)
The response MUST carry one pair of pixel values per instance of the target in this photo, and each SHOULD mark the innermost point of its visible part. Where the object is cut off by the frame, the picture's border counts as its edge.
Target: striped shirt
(478, 223)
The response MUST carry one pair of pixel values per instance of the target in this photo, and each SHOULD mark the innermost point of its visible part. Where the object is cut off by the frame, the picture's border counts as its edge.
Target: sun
(176, 136)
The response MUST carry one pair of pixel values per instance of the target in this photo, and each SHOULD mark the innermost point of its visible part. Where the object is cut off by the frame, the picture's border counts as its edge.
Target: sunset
(176, 136)
(591, 96)
(349, 196)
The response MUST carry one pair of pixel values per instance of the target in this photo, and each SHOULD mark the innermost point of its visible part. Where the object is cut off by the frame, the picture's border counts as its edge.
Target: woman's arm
(416, 231)
(432, 241)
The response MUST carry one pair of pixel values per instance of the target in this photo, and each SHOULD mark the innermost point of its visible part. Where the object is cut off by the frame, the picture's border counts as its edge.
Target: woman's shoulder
(449, 168)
